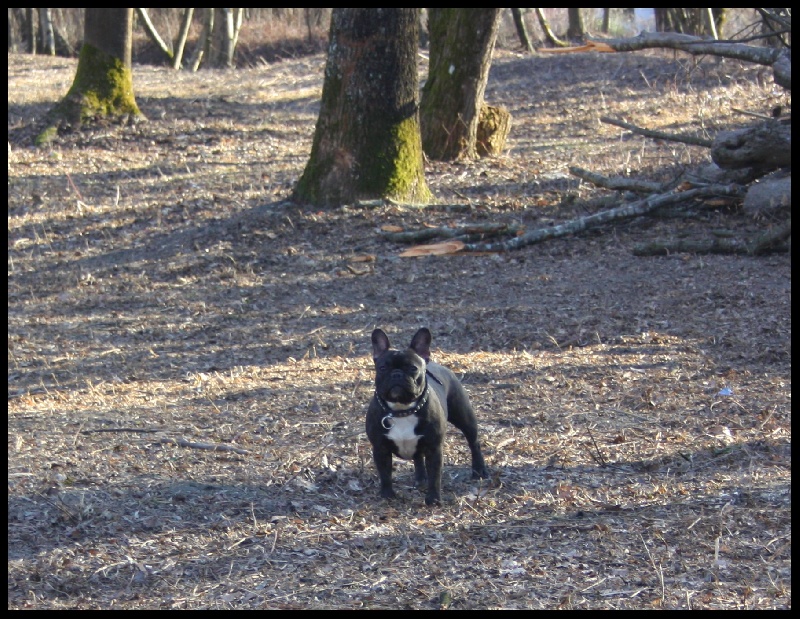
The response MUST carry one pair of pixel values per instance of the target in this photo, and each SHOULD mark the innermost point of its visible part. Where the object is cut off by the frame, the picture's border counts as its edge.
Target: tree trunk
(462, 41)
(221, 55)
(367, 140)
(522, 30)
(152, 33)
(576, 30)
(606, 21)
(30, 28)
(203, 41)
(46, 32)
(180, 43)
(103, 84)
(693, 21)
(548, 31)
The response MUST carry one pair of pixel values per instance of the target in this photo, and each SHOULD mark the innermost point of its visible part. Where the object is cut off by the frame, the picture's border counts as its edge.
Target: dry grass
(164, 300)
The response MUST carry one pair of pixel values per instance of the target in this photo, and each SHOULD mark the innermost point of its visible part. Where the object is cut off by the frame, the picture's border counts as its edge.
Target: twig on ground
(618, 183)
(658, 135)
(140, 430)
(182, 442)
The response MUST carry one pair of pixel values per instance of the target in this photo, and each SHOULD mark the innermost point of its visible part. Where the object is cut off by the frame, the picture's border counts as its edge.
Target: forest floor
(166, 299)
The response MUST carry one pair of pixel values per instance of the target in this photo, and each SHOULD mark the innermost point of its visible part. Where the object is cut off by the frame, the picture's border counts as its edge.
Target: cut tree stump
(494, 126)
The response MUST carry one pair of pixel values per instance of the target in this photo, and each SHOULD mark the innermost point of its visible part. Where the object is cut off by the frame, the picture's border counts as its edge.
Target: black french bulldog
(414, 399)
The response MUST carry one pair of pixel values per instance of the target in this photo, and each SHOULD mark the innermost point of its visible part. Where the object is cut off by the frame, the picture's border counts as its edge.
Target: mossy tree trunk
(103, 84)
(367, 140)
(462, 41)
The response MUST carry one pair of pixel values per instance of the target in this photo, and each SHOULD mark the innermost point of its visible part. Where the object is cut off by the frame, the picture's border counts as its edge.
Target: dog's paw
(432, 499)
(481, 473)
(388, 493)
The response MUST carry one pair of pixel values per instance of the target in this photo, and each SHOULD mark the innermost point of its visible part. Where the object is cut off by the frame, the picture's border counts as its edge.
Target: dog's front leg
(383, 462)
(433, 466)
(420, 476)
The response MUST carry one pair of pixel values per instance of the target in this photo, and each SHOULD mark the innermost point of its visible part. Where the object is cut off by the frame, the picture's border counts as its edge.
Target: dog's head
(400, 375)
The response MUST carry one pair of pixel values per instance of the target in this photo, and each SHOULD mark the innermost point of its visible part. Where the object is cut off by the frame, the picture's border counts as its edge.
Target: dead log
(766, 146)
(635, 209)
(773, 240)
(770, 196)
(684, 246)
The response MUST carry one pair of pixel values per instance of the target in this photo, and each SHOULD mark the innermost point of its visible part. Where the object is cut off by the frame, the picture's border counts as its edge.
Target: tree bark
(367, 140)
(103, 84)
(462, 41)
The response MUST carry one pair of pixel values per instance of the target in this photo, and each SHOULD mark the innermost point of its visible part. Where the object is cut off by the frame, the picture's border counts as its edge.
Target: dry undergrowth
(163, 301)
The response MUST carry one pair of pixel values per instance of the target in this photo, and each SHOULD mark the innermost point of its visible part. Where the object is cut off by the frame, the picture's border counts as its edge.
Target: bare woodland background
(188, 350)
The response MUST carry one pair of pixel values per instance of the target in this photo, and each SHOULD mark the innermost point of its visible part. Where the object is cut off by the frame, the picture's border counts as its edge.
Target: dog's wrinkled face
(399, 375)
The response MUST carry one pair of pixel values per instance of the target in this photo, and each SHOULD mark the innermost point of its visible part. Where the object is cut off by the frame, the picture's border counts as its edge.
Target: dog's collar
(405, 412)
(386, 420)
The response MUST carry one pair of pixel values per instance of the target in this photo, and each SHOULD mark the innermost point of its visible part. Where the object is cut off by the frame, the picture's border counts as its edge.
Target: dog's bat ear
(421, 344)
(380, 343)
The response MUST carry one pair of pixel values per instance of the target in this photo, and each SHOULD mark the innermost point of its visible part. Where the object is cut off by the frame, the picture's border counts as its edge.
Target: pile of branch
(740, 157)
(761, 152)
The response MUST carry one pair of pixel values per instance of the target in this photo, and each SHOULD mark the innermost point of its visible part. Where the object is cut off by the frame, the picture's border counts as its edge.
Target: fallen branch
(658, 135)
(635, 209)
(459, 232)
(618, 183)
(182, 442)
(778, 58)
(694, 45)
(140, 430)
(770, 241)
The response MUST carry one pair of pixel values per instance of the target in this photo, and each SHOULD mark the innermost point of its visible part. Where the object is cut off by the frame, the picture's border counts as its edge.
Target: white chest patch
(402, 434)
